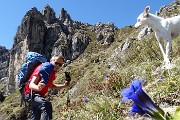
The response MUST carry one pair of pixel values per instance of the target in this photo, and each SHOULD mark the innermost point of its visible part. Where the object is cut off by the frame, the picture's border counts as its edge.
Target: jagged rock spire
(49, 14)
(65, 18)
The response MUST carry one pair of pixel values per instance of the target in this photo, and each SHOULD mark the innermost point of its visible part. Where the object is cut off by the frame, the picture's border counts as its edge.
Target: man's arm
(34, 86)
(60, 86)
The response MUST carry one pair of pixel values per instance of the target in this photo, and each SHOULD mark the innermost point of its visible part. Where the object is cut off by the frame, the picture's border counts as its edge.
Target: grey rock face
(145, 31)
(99, 37)
(1, 97)
(29, 37)
(105, 32)
(4, 62)
(79, 42)
(109, 39)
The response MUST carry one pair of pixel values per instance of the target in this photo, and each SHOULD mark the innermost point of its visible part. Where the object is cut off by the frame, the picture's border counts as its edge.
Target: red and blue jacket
(37, 72)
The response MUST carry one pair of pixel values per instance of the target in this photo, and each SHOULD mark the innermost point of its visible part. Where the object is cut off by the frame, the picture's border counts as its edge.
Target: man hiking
(38, 84)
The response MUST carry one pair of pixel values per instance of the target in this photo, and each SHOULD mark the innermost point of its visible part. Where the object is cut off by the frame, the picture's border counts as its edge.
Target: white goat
(165, 30)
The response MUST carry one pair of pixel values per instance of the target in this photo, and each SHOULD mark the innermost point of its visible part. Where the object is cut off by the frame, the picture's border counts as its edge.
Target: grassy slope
(103, 94)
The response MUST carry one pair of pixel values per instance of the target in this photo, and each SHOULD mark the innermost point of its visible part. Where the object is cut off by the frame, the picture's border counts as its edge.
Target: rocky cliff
(4, 66)
(48, 35)
(4, 62)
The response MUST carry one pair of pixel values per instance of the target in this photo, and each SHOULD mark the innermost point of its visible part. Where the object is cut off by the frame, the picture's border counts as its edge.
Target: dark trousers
(41, 108)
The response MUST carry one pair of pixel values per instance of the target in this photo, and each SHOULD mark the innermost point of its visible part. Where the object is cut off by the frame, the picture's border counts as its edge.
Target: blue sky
(121, 12)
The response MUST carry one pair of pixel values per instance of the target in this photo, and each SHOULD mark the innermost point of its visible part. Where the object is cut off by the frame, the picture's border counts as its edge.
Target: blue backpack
(33, 59)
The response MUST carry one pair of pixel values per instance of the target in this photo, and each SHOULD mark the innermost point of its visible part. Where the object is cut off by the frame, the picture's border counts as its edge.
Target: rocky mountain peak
(33, 12)
(65, 18)
(49, 14)
(29, 26)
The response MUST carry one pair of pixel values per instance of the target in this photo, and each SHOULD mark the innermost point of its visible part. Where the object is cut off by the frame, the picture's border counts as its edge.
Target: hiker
(37, 87)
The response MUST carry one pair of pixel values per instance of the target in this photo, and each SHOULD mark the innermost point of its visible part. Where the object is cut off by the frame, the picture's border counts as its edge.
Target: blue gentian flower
(128, 92)
(136, 109)
(106, 76)
(142, 103)
(85, 100)
(160, 79)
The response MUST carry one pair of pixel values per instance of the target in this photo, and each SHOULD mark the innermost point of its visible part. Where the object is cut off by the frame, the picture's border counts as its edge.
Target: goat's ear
(145, 13)
(147, 8)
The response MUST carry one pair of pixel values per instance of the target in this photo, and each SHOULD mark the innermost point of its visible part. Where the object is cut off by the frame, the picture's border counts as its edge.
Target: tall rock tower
(29, 37)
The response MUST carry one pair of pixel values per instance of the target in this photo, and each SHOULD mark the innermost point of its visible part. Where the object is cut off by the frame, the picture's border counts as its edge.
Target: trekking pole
(68, 78)
(68, 98)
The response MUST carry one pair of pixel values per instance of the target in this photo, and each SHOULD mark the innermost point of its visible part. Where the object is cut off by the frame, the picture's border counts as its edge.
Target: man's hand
(68, 77)
(41, 85)
(67, 83)
(34, 85)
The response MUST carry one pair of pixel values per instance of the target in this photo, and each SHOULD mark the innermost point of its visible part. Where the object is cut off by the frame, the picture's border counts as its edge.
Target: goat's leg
(161, 45)
(168, 49)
